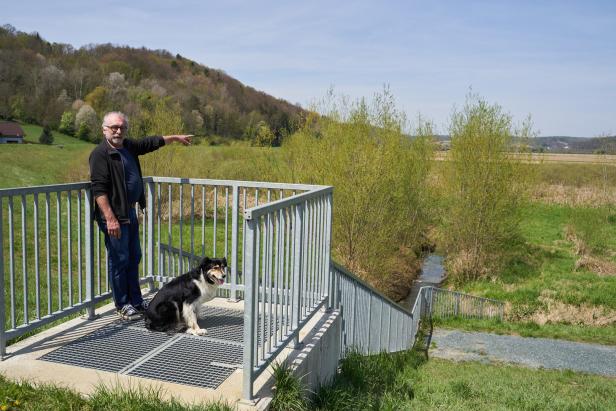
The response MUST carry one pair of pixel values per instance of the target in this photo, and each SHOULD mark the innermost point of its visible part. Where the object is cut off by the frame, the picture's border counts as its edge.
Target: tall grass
(28, 396)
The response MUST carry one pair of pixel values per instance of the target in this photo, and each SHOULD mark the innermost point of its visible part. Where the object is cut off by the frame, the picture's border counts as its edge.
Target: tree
(67, 123)
(380, 177)
(263, 136)
(83, 132)
(484, 186)
(46, 136)
(98, 98)
(86, 115)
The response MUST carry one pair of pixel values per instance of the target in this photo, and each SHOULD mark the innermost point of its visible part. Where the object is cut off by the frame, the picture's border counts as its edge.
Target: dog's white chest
(208, 291)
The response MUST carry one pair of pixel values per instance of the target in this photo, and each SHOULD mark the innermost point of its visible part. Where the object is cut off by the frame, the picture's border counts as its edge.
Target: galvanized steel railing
(446, 303)
(372, 323)
(287, 277)
(51, 264)
(186, 219)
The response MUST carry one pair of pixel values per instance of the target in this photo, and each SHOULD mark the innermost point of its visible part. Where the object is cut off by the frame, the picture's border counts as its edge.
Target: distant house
(11, 133)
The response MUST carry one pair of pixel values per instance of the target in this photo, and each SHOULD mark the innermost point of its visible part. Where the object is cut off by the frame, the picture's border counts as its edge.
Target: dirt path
(530, 352)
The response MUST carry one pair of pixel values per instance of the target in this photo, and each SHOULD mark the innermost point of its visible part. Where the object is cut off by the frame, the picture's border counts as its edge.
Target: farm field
(559, 158)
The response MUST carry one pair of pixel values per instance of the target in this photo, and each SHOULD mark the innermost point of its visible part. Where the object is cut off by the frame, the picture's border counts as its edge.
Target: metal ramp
(131, 349)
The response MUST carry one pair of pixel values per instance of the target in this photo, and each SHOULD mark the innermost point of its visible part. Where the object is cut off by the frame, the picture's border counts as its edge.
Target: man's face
(114, 130)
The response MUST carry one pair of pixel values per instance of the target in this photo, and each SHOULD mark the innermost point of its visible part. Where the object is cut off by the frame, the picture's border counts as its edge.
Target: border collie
(174, 308)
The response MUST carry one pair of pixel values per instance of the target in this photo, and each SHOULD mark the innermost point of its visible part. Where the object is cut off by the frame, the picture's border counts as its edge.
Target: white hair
(115, 113)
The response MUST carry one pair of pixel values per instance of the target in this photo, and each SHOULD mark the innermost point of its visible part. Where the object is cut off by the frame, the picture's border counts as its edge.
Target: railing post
(296, 306)
(234, 241)
(250, 288)
(456, 308)
(2, 311)
(89, 249)
(150, 236)
(331, 283)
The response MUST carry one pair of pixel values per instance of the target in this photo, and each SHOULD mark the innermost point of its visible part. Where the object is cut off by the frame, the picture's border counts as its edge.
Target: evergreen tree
(46, 136)
(83, 133)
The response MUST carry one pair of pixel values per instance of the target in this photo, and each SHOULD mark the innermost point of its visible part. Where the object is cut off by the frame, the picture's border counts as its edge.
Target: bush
(379, 175)
(46, 136)
(83, 133)
(484, 187)
(67, 123)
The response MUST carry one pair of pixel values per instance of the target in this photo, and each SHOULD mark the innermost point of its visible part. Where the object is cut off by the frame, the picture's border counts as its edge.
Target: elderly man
(117, 185)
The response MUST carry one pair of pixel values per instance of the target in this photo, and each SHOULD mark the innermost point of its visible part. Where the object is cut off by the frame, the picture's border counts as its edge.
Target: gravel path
(530, 352)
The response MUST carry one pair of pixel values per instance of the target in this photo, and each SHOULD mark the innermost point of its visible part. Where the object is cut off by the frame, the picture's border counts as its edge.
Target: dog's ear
(205, 262)
(224, 261)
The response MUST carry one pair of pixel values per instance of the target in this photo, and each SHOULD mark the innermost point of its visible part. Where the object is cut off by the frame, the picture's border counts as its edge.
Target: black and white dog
(174, 308)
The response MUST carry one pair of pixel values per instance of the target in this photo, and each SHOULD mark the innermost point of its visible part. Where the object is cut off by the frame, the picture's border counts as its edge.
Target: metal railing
(287, 277)
(51, 264)
(372, 323)
(446, 303)
(276, 238)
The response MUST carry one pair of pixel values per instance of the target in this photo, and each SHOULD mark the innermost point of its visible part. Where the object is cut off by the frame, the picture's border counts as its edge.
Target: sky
(553, 60)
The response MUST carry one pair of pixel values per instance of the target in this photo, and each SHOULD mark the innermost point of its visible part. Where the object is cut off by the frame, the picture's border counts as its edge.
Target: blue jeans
(124, 255)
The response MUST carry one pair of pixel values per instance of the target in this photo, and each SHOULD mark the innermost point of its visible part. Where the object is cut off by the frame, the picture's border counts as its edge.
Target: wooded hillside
(70, 89)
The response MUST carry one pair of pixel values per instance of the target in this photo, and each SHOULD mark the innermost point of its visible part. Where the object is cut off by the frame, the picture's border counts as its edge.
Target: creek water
(432, 274)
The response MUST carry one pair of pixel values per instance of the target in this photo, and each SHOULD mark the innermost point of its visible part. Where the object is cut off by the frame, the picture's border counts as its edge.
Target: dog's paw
(196, 331)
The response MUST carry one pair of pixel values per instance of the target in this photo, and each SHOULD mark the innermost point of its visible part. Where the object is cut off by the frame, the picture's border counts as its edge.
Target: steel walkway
(129, 348)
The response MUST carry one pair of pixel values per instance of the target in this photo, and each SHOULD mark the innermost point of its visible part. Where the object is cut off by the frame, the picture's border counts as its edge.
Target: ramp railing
(447, 303)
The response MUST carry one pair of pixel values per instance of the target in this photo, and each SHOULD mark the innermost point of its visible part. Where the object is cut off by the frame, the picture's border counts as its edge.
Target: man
(117, 185)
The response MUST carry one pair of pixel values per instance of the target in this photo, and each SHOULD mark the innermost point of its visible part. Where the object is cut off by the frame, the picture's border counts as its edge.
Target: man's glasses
(115, 129)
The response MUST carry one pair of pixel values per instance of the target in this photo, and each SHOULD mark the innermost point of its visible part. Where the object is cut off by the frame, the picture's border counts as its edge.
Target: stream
(432, 274)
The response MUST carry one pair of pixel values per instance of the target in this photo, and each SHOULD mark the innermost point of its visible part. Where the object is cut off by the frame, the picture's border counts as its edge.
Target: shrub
(483, 187)
(83, 132)
(67, 123)
(379, 175)
(46, 136)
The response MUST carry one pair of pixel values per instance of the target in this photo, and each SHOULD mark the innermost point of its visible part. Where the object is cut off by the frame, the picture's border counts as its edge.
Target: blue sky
(553, 60)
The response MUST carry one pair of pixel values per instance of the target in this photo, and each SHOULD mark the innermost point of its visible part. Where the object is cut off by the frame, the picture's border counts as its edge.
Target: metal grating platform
(129, 348)
(111, 348)
(192, 361)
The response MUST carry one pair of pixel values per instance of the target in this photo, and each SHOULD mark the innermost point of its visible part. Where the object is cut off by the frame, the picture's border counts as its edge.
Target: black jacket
(107, 173)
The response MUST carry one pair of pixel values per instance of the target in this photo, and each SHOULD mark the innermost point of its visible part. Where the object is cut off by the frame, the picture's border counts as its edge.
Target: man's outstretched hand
(185, 139)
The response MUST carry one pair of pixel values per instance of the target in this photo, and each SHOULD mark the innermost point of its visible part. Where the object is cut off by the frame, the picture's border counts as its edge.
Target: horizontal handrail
(264, 209)
(444, 290)
(371, 288)
(15, 191)
(232, 183)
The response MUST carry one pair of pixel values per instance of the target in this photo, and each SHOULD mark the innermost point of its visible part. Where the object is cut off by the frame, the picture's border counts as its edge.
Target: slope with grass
(66, 160)
(406, 381)
(553, 285)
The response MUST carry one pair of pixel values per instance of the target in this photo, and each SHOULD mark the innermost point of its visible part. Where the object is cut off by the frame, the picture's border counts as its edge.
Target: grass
(28, 396)
(405, 381)
(548, 296)
(33, 132)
